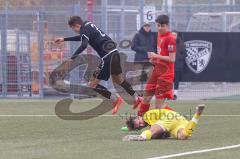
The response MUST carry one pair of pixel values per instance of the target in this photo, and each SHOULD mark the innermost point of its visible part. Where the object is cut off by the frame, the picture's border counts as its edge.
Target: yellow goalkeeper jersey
(170, 120)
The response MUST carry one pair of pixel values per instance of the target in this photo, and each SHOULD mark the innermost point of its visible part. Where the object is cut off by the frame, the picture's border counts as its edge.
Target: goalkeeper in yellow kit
(162, 121)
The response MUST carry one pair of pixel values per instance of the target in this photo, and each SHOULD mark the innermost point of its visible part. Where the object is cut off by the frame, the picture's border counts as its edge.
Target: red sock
(168, 107)
(143, 109)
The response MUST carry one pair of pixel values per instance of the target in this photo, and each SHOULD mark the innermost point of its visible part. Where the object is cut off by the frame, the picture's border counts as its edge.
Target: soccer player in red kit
(160, 82)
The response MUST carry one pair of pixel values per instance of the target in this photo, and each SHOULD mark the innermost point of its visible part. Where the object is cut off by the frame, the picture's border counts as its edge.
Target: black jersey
(91, 34)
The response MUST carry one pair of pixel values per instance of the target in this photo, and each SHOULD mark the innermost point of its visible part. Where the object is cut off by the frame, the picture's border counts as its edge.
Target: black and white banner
(212, 57)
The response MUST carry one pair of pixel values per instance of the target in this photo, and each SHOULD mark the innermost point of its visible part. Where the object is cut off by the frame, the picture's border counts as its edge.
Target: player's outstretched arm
(133, 138)
(155, 132)
(58, 40)
(74, 38)
(81, 48)
(61, 39)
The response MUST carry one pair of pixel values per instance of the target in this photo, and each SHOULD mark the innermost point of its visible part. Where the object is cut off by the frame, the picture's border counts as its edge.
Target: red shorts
(161, 86)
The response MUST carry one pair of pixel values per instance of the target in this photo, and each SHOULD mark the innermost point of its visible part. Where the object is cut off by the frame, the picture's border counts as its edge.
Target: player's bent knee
(92, 84)
(157, 131)
(117, 79)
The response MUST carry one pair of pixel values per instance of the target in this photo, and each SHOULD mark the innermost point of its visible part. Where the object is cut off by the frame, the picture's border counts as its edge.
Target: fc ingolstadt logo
(198, 54)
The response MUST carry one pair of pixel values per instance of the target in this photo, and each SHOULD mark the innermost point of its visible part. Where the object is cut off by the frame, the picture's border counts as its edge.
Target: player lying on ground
(106, 49)
(160, 82)
(163, 121)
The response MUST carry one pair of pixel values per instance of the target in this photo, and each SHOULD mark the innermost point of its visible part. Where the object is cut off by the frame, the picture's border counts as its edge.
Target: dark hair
(130, 123)
(162, 19)
(73, 20)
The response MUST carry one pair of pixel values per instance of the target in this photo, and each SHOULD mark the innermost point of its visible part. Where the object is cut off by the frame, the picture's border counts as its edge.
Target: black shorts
(111, 66)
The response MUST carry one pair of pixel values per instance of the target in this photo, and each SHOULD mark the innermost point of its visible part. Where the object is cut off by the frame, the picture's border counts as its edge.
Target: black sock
(103, 91)
(127, 87)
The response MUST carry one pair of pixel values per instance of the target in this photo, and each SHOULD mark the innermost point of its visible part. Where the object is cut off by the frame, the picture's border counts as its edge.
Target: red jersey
(166, 44)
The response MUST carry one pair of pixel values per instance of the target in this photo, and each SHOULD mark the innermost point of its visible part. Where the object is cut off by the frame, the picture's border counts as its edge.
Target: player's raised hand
(58, 40)
(151, 55)
(133, 138)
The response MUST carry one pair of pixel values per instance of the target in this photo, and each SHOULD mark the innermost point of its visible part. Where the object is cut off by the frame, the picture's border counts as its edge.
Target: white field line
(120, 115)
(196, 152)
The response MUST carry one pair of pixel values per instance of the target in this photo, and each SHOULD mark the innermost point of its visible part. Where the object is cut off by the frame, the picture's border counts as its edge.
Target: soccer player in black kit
(110, 65)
